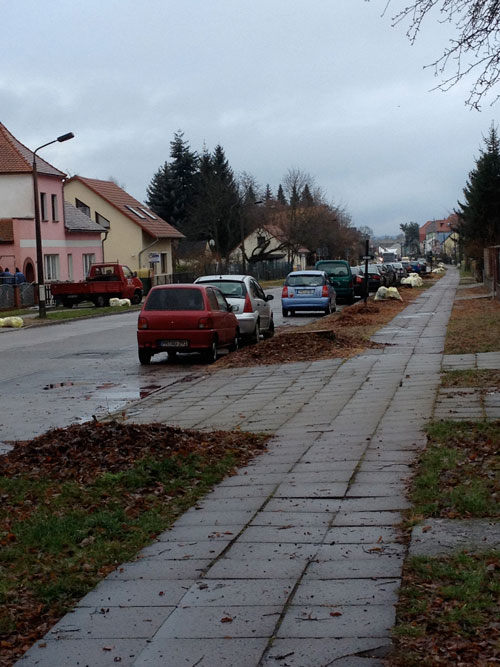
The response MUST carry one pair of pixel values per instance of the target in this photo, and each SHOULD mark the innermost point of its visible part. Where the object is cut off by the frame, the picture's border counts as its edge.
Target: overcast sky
(324, 86)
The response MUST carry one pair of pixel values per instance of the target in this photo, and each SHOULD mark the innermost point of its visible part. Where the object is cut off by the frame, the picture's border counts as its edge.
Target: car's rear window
(175, 299)
(310, 281)
(334, 269)
(232, 289)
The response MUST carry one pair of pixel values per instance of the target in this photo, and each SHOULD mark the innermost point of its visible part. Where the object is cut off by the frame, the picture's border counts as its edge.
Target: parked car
(375, 279)
(358, 281)
(250, 304)
(340, 275)
(399, 270)
(308, 290)
(186, 318)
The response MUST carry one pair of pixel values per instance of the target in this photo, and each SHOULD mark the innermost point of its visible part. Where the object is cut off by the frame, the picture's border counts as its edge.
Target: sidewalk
(296, 560)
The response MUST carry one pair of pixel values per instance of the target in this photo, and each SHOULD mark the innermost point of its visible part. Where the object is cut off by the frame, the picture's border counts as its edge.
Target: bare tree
(475, 51)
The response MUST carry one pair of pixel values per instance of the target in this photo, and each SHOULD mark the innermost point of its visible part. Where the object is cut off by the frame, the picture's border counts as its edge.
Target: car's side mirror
(229, 308)
(269, 297)
(134, 275)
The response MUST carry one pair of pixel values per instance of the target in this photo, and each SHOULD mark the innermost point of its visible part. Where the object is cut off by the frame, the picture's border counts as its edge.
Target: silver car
(250, 304)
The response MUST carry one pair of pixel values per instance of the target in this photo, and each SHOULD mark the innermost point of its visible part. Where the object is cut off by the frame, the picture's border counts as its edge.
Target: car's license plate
(174, 343)
(305, 291)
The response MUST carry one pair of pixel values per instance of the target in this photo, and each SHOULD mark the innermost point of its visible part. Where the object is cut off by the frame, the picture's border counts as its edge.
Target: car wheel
(144, 356)
(255, 337)
(172, 354)
(67, 303)
(270, 332)
(328, 309)
(285, 312)
(350, 299)
(101, 301)
(235, 345)
(210, 355)
(137, 298)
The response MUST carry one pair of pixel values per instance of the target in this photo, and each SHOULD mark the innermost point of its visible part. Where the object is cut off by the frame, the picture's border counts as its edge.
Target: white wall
(16, 196)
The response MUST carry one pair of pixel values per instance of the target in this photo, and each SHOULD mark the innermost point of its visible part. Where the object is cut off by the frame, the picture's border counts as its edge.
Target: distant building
(69, 241)
(134, 234)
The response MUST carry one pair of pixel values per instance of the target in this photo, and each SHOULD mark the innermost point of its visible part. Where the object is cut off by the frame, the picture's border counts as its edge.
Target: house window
(43, 206)
(70, 267)
(261, 240)
(53, 199)
(83, 207)
(101, 220)
(88, 259)
(51, 267)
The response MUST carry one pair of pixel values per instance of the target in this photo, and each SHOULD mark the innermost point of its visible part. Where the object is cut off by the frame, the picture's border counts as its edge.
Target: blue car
(308, 290)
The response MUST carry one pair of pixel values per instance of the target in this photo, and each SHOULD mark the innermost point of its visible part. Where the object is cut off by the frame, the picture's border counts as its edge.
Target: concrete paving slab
(309, 652)
(312, 505)
(275, 569)
(272, 550)
(111, 623)
(281, 519)
(382, 566)
(278, 534)
(136, 593)
(238, 592)
(161, 569)
(221, 622)
(94, 652)
(361, 535)
(311, 490)
(228, 651)
(183, 550)
(382, 518)
(338, 621)
(358, 551)
(381, 503)
(346, 592)
(442, 537)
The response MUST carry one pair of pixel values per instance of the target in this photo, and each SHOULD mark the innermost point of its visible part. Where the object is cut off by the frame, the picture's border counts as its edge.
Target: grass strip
(76, 504)
(448, 611)
(458, 474)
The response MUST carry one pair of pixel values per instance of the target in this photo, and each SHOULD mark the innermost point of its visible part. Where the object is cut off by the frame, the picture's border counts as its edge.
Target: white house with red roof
(70, 240)
(135, 235)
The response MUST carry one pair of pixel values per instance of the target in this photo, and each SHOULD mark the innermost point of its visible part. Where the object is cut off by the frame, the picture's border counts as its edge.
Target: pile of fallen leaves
(36, 477)
(339, 335)
(80, 452)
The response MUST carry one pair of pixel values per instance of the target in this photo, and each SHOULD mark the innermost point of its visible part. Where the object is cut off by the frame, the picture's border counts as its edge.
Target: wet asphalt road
(57, 375)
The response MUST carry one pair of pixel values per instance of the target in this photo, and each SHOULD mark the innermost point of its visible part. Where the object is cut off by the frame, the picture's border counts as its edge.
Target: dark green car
(340, 275)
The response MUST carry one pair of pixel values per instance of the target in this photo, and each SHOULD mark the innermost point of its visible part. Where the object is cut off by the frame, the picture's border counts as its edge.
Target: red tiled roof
(114, 195)
(15, 158)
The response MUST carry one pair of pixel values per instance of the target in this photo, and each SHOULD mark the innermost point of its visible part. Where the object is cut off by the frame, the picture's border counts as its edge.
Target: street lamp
(42, 313)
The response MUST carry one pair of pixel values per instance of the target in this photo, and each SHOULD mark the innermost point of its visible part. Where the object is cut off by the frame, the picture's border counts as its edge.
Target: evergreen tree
(306, 198)
(159, 192)
(281, 195)
(173, 187)
(217, 205)
(268, 194)
(480, 212)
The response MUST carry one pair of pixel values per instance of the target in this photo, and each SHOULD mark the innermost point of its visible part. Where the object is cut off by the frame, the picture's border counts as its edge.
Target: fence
(17, 296)
(272, 270)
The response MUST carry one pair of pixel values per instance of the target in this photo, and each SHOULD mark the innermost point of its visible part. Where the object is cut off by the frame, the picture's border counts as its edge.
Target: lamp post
(42, 313)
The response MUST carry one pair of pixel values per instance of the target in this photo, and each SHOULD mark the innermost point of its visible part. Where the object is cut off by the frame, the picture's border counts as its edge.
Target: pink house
(71, 241)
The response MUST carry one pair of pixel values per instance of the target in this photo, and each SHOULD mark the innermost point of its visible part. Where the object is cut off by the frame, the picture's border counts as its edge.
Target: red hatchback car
(186, 318)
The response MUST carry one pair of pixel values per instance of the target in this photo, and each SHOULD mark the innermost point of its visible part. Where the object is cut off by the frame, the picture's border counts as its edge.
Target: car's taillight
(324, 291)
(205, 323)
(142, 323)
(284, 292)
(248, 305)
